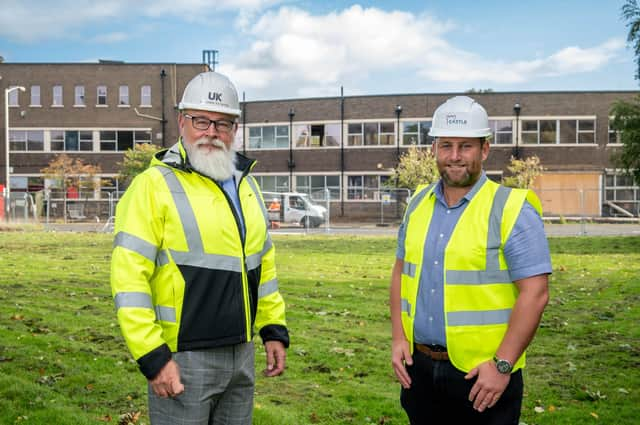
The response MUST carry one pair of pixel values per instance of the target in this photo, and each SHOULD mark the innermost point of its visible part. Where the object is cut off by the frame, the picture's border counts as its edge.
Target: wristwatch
(503, 365)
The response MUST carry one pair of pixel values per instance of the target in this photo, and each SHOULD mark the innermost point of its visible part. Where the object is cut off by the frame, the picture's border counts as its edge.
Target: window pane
(567, 131)
(387, 139)
(145, 96)
(410, 139)
(409, 127)
(282, 130)
(268, 137)
(35, 95)
(301, 135)
(354, 140)
(529, 125)
(586, 125)
(108, 140)
(388, 127)
(124, 95)
(57, 140)
(371, 133)
(503, 138)
(71, 142)
(35, 140)
(547, 131)
(125, 140)
(609, 180)
(586, 138)
(17, 140)
(57, 95)
(624, 180)
(530, 138)
(331, 135)
(102, 95)
(425, 139)
(79, 96)
(354, 128)
(142, 136)
(333, 181)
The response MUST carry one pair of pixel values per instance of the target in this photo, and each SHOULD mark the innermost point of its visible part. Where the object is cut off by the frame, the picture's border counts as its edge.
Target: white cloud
(34, 20)
(112, 37)
(315, 53)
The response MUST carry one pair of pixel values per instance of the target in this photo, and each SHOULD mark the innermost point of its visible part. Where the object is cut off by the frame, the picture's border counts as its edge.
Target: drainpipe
(163, 75)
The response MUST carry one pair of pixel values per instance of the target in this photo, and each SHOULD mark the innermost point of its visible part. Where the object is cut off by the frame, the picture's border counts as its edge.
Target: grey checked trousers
(218, 388)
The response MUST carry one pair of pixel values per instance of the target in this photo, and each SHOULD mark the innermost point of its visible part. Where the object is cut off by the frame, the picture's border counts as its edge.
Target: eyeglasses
(203, 124)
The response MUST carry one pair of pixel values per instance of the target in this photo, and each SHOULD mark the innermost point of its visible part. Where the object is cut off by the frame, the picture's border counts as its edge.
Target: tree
(631, 14)
(135, 161)
(72, 176)
(627, 114)
(626, 120)
(417, 166)
(523, 172)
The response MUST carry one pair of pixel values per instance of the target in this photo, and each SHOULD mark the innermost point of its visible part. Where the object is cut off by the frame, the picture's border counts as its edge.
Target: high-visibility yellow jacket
(182, 275)
(478, 290)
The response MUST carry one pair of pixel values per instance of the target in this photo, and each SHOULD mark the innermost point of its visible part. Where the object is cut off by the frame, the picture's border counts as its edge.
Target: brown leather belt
(434, 354)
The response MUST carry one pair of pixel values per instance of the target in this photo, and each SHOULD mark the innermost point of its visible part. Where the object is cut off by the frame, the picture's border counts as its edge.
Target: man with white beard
(193, 268)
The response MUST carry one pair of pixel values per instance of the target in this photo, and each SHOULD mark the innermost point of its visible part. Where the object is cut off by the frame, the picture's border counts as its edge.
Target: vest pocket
(212, 310)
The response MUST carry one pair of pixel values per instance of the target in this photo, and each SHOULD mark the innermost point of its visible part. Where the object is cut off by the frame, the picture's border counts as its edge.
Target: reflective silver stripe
(409, 269)
(268, 288)
(467, 318)
(187, 216)
(166, 314)
(405, 306)
(136, 244)
(494, 238)
(477, 277)
(256, 192)
(416, 199)
(162, 258)
(207, 261)
(255, 260)
(172, 156)
(133, 299)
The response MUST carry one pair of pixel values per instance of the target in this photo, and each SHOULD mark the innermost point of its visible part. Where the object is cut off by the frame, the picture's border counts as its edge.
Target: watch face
(503, 366)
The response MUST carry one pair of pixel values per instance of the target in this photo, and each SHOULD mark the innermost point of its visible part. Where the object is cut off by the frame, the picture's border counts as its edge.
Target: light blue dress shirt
(526, 253)
(229, 186)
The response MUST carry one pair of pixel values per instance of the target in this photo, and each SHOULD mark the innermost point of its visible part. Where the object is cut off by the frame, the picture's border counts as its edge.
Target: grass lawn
(63, 361)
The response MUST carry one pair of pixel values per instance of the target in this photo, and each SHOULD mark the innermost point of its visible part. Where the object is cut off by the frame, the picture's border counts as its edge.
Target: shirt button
(442, 235)
(433, 291)
(430, 318)
(448, 211)
(435, 262)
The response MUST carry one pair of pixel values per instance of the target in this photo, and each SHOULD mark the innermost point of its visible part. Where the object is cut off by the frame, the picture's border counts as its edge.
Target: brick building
(341, 146)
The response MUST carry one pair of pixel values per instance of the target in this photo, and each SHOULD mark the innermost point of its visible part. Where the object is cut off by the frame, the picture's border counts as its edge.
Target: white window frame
(13, 101)
(557, 120)
(78, 97)
(337, 190)
(123, 97)
(100, 96)
(35, 101)
(379, 122)
(495, 132)
(309, 124)
(261, 137)
(58, 96)
(418, 134)
(374, 197)
(145, 96)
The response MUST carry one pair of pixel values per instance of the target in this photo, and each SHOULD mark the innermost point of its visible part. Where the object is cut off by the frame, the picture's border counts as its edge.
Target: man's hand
(489, 386)
(401, 354)
(167, 381)
(276, 355)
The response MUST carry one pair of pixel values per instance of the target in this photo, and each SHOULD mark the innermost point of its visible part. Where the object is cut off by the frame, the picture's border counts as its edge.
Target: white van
(293, 208)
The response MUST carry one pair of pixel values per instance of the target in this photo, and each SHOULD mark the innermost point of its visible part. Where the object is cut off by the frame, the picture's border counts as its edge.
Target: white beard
(219, 164)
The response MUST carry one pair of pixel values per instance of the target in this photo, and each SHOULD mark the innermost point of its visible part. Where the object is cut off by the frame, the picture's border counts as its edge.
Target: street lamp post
(398, 112)
(7, 185)
(291, 164)
(516, 110)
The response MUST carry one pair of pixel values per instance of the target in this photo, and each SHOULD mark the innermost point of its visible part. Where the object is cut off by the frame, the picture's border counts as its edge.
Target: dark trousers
(440, 394)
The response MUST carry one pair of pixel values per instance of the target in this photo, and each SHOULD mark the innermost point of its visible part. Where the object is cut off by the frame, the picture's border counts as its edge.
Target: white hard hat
(211, 91)
(460, 116)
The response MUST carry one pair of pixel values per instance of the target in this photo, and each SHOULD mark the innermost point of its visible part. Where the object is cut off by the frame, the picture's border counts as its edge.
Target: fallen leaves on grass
(129, 418)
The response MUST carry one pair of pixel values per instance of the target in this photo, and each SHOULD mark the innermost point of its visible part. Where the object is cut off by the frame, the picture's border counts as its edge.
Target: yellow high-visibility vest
(478, 290)
(183, 276)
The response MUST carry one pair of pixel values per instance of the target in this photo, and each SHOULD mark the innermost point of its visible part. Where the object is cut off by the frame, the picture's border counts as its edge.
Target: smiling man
(469, 284)
(193, 269)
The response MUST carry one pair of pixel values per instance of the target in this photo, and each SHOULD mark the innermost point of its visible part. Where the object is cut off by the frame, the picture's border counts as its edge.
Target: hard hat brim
(480, 132)
(211, 108)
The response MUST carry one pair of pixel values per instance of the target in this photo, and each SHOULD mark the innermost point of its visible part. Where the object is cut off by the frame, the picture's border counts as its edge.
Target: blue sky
(274, 49)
